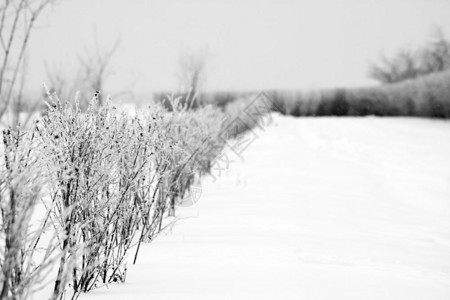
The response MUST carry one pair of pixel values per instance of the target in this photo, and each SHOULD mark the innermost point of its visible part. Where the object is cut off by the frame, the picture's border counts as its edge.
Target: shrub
(25, 257)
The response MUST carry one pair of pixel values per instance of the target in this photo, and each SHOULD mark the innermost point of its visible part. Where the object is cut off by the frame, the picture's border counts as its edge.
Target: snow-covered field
(320, 208)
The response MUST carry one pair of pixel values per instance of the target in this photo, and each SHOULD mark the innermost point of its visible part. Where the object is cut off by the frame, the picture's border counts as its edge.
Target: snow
(318, 208)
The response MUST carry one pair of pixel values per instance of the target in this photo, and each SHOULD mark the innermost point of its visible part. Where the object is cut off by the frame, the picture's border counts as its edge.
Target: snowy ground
(320, 208)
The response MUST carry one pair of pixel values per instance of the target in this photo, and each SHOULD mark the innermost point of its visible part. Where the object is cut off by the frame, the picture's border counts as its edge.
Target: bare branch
(27, 12)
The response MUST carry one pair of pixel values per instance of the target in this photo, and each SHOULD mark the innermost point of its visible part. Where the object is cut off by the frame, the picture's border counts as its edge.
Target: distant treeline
(426, 96)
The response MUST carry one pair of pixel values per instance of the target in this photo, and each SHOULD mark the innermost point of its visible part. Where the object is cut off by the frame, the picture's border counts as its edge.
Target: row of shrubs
(81, 190)
(219, 99)
(426, 96)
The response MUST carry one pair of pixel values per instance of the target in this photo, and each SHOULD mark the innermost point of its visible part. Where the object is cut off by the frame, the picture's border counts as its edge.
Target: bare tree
(95, 67)
(404, 65)
(407, 64)
(192, 72)
(92, 74)
(17, 19)
(436, 57)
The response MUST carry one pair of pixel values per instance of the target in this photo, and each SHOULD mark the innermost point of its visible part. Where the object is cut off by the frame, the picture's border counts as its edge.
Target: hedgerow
(427, 96)
(104, 181)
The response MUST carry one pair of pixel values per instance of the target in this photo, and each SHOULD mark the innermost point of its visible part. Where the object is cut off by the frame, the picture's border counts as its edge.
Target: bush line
(101, 182)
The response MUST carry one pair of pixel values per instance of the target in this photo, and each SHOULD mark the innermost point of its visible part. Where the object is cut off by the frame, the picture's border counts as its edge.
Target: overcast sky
(250, 44)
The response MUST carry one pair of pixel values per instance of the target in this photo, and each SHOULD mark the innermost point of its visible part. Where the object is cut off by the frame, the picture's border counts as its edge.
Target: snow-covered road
(320, 208)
